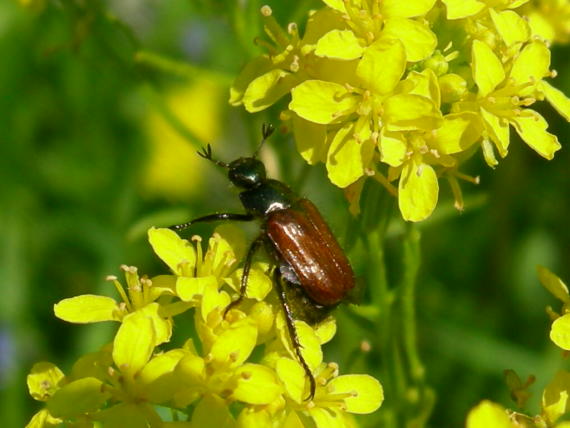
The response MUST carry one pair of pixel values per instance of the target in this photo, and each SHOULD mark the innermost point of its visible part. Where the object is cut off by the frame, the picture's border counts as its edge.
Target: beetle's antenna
(266, 130)
(206, 153)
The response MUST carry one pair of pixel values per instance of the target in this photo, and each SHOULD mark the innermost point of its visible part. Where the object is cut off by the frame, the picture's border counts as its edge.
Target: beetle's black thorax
(269, 195)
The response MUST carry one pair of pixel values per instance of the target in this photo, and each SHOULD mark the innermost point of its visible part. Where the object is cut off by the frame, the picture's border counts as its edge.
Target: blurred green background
(96, 137)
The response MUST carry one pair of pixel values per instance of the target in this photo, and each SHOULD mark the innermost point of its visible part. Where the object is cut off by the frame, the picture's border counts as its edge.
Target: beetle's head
(243, 172)
(246, 172)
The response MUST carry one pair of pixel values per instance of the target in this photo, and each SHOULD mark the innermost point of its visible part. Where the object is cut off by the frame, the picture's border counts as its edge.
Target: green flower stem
(412, 260)
(179, 68)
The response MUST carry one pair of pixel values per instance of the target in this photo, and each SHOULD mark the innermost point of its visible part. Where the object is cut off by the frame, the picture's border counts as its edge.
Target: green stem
(179, 68)
(412, 260)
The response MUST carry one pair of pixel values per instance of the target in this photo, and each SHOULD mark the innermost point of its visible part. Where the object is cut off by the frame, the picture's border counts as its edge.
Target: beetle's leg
(212, 217)
(245, 275)
(293, 331)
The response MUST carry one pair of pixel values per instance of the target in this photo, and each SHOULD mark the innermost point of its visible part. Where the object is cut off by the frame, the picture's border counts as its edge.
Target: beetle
(312, 274)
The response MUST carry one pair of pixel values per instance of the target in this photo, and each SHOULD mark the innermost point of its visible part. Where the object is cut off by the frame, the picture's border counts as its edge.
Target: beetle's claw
(266, 130)
(206, 152)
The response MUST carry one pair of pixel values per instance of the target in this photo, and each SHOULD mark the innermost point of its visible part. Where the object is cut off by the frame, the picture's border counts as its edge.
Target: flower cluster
(405, 91)
(215, 382)
(555, 404)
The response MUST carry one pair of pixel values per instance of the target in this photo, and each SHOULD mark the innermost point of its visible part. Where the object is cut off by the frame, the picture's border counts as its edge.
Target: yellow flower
(504, 96)
(173, 170)
(127, 379)
(549, 19)
(488, 414)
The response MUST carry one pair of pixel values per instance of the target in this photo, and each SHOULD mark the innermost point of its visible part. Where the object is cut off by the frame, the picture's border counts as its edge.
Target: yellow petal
(87, 308)
(252, 70)
(560, 332)
(252, 417)
(498, 130)
(161, 326)
(128, 415)
(293, 421)
(417, 191)
(406, 112)
(511, 26)
(425, 84)
(326, 330)
(190, 289)
(403, 9)
(327, 417)
(77, 398)
(134, 343)
(44, 379)
(310, 139)
(555, 396)
(157, 376)
(488, 71)
(43, 419)
(235, 344)
(532, 129)
(553, 284)
(458, 132)
(335, 4)
(540, 26)
(323, 21)
(340, 44)
(258, 284)
(393, 147)
(213, 300)
(457, 9)
(531, 65)
(266, 89)
(487, 414)
(418, 40)
(292, 376)
(212, 411)
(557, 99)
(321, 102)
(256, 384)
(366, 393)
(172, 250)
(347, 158)
(382, 66)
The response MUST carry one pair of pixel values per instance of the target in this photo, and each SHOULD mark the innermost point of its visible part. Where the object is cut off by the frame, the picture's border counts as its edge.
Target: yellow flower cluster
(215, 383)
(405, 91)
(555, 403)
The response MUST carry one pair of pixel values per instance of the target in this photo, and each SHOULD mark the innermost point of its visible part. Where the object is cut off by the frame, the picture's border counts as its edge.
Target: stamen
(272, 27)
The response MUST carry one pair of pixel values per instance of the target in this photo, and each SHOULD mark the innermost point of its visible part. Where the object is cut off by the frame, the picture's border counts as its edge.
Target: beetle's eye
(246, 172)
